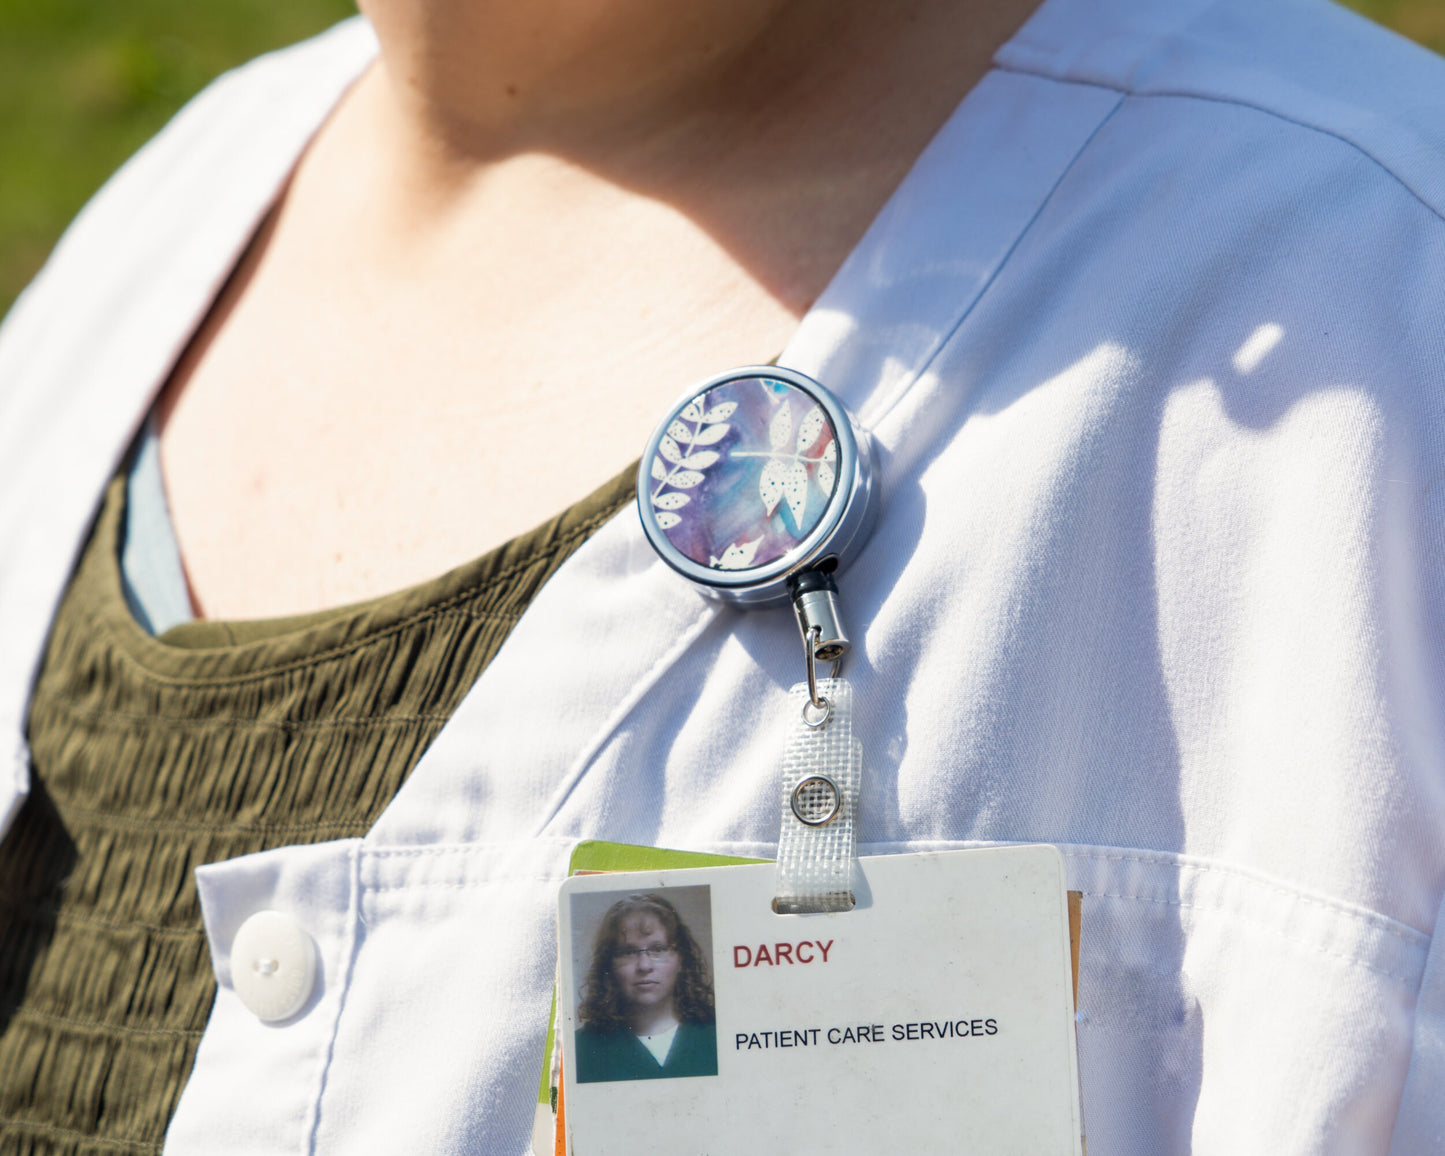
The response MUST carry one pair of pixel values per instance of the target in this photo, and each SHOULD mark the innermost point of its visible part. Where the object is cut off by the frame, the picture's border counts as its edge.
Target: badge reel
(757, 488)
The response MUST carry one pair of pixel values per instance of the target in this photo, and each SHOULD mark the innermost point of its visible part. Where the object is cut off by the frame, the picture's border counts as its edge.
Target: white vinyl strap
(822, 774)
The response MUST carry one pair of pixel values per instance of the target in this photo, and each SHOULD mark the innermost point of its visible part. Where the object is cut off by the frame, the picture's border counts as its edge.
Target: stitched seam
(374, 889)
(38, 1128)
(464, 885)
(1261, 925)
(1178, 863)
(98, 820)
(943, 342)
(1379, 922)
(335, 653)
(352, 945)
(91, 1027)
(138, 823)
(470, 594)
(52, 911)
(102, 714)
(465, 848)
(1237, 102)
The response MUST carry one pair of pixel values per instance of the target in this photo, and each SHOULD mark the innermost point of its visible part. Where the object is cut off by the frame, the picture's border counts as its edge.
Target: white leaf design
(809, 428)
(659, 470)
(671, 501)
(795, 489)
(825, 467)
(782, 428)
(667, 521)
(691, 411)
(709, 434)
(686, 479)
(738, 556)
(679, 432)
(720, 412)
(668, 449)
(700, 460)
(770, 488)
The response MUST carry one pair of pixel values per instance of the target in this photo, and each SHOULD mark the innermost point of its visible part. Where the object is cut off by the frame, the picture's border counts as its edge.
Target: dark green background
(83, 83)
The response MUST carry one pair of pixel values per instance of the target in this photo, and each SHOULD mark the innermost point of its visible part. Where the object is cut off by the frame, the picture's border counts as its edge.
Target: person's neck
(645, 91)
(522, 214)
(653, 1020)
(483, 77)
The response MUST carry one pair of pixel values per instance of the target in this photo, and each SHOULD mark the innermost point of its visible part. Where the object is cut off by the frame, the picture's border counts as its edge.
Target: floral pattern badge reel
(757, 488)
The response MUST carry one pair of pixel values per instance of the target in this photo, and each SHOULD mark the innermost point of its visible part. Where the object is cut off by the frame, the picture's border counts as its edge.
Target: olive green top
(152, 756)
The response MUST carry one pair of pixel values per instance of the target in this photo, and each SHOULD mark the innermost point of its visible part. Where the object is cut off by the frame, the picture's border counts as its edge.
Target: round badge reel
(757, 488)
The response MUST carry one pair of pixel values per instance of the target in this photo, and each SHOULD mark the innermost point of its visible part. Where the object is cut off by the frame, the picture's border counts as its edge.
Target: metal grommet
(816, 801)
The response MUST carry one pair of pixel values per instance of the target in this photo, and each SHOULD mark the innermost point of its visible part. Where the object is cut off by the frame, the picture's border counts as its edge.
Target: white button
(273, 966)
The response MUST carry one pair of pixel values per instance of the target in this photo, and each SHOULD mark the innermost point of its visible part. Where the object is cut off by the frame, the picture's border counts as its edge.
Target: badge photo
(642, 962)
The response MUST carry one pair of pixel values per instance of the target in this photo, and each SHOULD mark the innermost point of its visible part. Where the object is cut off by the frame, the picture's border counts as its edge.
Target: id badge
(937, 1015)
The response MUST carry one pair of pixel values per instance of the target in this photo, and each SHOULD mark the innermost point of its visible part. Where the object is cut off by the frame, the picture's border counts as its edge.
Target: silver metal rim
(813, 780)
(849, 510)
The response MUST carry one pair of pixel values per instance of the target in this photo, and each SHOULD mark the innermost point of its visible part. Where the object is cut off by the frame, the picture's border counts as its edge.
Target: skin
(521, 234)
(646, 985)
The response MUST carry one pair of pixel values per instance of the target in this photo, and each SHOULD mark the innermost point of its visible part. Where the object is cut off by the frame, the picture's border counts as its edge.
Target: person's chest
(393, 382)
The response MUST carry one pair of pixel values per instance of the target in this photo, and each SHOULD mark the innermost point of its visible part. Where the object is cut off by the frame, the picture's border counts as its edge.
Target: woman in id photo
(646, 1006)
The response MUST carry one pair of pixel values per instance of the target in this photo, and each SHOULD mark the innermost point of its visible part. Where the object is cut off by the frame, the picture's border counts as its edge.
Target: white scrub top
(1151, 343)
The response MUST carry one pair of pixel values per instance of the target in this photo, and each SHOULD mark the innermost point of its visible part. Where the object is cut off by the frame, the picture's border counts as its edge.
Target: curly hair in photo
(602, 1006)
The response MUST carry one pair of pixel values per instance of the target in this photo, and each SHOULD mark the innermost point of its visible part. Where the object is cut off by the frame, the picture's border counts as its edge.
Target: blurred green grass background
(83, 83)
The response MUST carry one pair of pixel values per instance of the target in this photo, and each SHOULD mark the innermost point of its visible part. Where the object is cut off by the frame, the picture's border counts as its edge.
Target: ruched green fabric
(153, 756)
